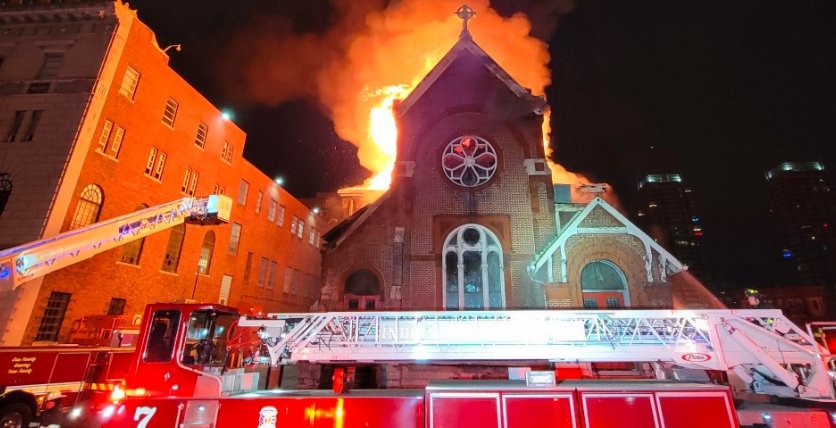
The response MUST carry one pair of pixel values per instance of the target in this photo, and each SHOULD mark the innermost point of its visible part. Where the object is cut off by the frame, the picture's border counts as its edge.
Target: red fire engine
(180, 375)
(35, 380)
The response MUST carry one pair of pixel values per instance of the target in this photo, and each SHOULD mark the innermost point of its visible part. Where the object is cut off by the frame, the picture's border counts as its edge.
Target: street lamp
(176, 47)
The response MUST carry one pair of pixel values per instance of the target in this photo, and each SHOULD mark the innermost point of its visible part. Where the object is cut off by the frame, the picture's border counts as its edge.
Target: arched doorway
(362, 291)
(472, 269)
(604, 286)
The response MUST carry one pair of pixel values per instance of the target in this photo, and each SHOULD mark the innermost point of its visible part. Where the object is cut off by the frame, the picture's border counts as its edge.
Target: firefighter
(753, 298)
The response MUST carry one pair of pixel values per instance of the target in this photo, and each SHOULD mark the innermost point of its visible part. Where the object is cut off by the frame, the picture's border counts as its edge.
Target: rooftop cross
(465, 13)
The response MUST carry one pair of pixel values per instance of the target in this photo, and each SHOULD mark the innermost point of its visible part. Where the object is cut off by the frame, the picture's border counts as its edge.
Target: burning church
(473, 218)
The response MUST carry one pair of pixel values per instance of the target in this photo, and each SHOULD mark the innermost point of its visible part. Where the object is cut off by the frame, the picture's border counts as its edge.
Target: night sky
(718, 91)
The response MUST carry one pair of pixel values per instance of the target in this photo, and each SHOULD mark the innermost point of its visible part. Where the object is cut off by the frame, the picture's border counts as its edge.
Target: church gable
(599, 217)
(468, 76)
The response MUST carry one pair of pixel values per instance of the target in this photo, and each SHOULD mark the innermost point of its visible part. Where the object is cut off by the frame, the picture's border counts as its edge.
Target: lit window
(469, 161)
(155, 164)
(271, 210)
(149, 164)
(472, 269)
(116, 144)
(226, 152)
(193, 184)
(258, 199)
(234, 238)
(170, 112)
(107, 128)
(226, 286)
(312, 236)
(200, 137)
(186, 180)
(205, 259)
(158, 171)
(280, 216)
(243, 188)
(293, 225)
(262, 271)
(88, 208)
(129, 83)
(301, 228)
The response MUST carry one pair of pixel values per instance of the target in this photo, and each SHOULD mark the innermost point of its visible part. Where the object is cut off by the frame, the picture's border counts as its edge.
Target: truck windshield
(205, 346)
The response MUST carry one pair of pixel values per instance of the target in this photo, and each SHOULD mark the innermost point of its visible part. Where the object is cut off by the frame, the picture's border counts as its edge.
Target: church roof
(340, 232)
(466, 44)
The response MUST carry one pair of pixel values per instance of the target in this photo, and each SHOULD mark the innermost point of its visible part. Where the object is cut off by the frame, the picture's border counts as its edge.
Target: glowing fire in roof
(372, 56)
(400, 45)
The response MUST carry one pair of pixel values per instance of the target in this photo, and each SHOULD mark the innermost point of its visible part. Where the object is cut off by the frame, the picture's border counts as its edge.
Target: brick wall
(126, 187)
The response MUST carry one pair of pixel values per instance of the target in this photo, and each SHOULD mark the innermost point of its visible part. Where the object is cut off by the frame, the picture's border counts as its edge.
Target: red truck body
(570, 404)
(47, 378)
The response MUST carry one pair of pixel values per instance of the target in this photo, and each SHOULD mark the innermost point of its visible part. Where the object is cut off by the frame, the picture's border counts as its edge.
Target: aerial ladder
(763, 348)
(35, 259)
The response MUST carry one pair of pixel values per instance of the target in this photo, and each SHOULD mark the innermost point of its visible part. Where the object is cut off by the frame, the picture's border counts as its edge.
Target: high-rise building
(96, 124)
(667, 213)
(805, 209)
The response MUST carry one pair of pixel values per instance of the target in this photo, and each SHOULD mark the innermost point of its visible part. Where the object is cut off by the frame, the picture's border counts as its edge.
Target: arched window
(604, 285)
(205, 259)
(5, 190)
(473, 270)
(89, 206)
(362, 290)
(132, 251)
(172, 250)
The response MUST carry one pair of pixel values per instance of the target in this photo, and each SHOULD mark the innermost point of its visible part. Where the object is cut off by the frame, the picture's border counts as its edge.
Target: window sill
(113, 158)
(157, 180)
(165, 272)
(119, 262)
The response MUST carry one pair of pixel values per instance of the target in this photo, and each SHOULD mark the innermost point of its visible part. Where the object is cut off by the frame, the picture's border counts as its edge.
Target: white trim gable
(666, 259)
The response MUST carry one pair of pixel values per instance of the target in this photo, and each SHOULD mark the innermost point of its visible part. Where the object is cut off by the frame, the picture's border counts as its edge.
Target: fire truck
(181, 374)
(35, 381)
(202, 365)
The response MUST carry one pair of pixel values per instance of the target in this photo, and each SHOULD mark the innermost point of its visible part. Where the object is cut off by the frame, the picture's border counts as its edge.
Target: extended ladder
(763, 347)
(38, 258)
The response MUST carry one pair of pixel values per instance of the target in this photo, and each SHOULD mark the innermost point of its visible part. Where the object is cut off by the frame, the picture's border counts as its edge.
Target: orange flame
(373, 55)
(399, 46)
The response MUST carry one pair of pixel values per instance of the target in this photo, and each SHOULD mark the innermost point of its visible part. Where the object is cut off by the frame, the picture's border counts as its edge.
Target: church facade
(471, 221)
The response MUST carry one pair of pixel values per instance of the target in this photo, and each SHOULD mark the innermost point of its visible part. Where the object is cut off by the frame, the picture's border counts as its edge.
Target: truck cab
(182, 351)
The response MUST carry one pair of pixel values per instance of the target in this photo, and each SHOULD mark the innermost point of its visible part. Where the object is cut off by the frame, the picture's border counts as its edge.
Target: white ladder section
(762, 347)
(38, 258)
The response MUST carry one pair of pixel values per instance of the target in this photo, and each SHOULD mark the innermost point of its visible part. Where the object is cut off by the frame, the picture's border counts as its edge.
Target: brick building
(471, 220)
(98, 125)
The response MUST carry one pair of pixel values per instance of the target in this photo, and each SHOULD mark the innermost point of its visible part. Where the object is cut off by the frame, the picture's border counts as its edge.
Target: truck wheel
(15, 415)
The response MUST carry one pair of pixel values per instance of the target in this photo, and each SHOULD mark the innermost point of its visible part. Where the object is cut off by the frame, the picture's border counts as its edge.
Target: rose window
(469, 161)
